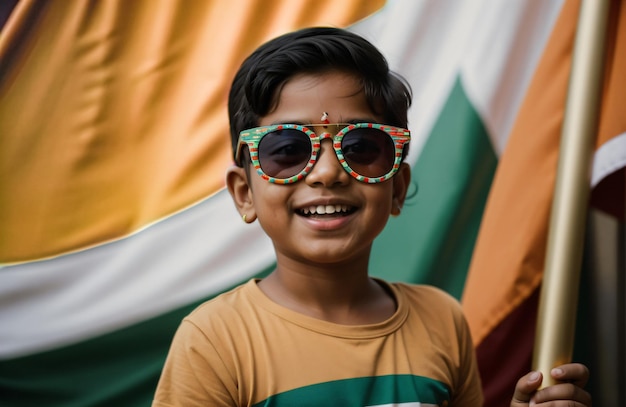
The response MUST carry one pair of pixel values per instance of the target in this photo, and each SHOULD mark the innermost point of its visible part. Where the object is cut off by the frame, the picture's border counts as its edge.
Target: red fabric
(505, 354)
(608, 195)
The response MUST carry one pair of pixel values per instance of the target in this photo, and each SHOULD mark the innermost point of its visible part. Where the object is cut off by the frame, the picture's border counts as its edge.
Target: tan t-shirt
(242, 349)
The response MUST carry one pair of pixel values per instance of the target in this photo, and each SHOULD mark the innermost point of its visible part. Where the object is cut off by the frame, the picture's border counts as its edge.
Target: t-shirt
(243, 349)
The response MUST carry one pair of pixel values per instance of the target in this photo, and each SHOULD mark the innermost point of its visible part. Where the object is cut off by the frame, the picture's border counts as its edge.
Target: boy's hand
(568, 392)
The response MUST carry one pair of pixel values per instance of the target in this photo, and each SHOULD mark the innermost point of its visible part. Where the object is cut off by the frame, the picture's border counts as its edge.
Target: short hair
(256, 87)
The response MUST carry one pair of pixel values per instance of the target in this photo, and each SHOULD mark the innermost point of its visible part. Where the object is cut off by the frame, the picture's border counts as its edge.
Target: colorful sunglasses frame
(252, 138)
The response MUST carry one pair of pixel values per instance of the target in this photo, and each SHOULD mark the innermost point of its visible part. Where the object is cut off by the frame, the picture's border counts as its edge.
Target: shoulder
(232, 298)
(426, 295)
(201, 362)
(226, 309)
(431, 304)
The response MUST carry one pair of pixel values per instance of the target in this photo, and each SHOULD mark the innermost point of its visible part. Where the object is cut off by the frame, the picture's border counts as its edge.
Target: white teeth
(324, 209)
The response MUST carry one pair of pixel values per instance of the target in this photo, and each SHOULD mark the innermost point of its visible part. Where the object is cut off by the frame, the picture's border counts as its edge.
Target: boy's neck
(343, 295)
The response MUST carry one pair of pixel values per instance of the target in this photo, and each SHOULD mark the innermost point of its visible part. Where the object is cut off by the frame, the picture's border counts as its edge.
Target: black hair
(256, 87)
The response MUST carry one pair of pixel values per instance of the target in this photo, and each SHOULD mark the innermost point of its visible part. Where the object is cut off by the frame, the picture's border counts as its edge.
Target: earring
(244, 217)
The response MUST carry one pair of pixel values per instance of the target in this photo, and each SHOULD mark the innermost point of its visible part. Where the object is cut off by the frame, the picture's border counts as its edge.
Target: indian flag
(114, 141)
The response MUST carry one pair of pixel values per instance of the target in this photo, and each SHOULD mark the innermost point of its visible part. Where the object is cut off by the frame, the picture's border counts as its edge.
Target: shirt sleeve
(194, 374)
(469, 389)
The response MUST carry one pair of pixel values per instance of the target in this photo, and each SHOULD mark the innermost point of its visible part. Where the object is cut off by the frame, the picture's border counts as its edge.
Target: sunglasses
(286, 153)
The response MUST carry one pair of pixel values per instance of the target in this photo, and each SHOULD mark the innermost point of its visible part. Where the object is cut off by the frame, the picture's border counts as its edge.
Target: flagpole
(554, 339)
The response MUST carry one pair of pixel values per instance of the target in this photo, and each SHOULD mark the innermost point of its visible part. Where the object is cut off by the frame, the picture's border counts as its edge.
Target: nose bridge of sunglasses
(323, 135)
(324, 149)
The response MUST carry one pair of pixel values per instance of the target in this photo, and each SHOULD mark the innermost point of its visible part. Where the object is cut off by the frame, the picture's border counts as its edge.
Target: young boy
(318, 130)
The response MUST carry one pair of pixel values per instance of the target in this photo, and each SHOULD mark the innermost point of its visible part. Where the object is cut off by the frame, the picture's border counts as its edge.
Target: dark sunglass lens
(284, 153)
(369, 152)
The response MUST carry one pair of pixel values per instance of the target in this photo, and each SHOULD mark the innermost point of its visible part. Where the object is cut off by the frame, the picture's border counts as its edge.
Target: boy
(318, 330)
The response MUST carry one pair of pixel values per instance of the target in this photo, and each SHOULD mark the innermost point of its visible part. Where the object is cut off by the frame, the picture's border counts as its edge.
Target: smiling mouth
(326, 210)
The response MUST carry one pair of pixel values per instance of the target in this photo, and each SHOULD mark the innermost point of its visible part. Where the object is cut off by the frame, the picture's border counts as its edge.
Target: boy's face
(356, 212)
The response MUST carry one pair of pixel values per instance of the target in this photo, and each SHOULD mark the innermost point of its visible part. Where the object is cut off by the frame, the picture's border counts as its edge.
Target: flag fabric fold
(510, 250)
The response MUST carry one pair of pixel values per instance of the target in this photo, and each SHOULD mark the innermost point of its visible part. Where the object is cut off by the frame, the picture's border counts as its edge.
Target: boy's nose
(327, 170)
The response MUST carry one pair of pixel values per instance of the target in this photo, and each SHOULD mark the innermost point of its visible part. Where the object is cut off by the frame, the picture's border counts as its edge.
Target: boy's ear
(241, 192)
(401, 182)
